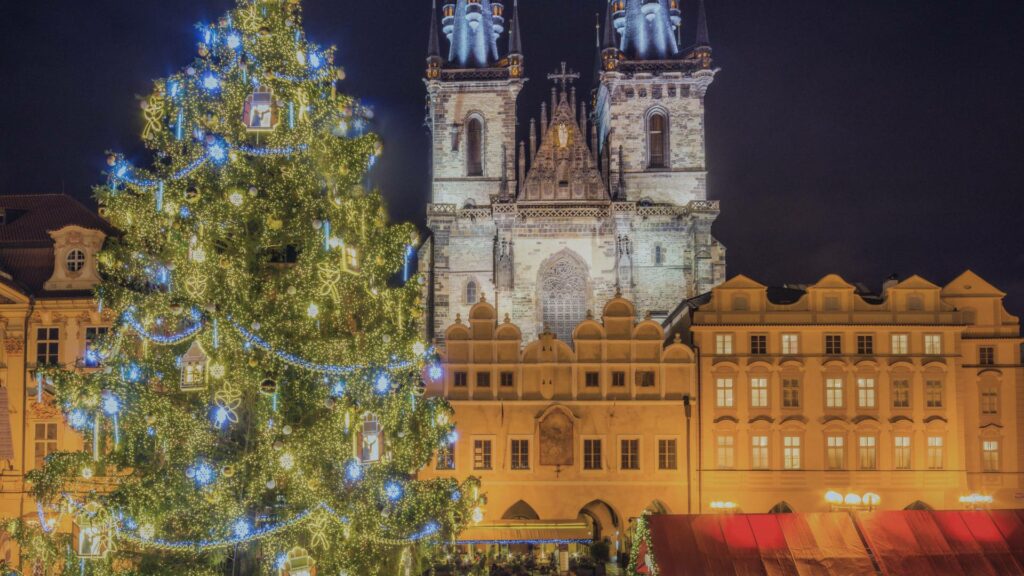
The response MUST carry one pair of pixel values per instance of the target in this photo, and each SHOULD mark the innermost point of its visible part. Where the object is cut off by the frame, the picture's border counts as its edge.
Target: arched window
(474, 147)
(562, 284)
(471, 292)
(657, 139)
(75, 260)
(659, 254)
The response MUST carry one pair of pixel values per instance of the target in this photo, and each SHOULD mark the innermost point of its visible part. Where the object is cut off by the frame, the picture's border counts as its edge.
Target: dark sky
(860, 137)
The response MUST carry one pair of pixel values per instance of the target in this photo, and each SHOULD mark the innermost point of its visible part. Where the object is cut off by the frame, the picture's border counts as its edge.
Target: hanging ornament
(203, 50)
(193, 368)
(226, 402)
(268, 387)
(92, 532)
(298, 563)
(153, 112)
(259, 113)
(191, 194)
(329, 277)
(195, 285)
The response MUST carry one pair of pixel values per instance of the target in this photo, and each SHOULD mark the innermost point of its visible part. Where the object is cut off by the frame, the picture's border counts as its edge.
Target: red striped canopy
(893, 543)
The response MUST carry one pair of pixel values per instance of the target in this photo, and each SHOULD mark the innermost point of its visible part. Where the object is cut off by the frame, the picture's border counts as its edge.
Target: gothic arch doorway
(563, 285)
(603, 520)
(520, 511)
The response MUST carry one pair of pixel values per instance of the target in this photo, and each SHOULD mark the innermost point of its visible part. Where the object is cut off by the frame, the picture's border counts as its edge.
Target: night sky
(860, 137)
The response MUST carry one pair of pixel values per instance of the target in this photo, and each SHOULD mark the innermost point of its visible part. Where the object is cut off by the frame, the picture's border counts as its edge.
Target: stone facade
(551, 229)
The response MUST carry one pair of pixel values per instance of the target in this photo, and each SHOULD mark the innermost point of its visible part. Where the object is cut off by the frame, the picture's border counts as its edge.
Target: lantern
(92, 532)
(298, 563)
(193, 368)
(259, 114)
(371, 438)
(352, 260)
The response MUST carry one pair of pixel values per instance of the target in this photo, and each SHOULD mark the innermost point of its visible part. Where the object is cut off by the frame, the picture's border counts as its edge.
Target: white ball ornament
(286, 430)
(292, 290)
(271, 484)
(419, 348)
(253, 191)
(318, 224)
(235, 198)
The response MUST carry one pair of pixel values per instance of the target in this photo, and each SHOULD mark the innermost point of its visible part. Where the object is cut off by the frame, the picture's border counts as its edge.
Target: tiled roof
(30, 217)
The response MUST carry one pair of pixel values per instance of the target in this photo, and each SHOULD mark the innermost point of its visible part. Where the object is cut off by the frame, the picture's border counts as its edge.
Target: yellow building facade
(48, 247)
(765, 398)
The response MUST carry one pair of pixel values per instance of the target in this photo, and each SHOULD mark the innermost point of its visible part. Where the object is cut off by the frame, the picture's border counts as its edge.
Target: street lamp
(852, 501)
(724, 506)
(976, 501)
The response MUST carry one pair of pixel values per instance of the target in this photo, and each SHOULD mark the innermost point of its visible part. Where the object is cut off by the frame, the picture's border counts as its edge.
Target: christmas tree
(257, 406)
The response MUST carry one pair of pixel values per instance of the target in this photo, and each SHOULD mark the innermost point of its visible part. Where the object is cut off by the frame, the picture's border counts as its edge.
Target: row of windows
(48, 345)
(865, 344)
(592, 379)
(593, 454)
(835, 394)
(836, 455)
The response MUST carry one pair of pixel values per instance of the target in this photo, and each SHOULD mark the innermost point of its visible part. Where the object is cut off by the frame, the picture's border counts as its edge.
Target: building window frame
(989, 403)
(867, 452)
(936, 452)
(934, 394)
(759, 397)
(668, 453)
(900, 394)
(48, 345)
(867, 392)
(760, 453)
(833, 344)
(792, 452)
(630, 448)
(835, 451)
(475, 145)
(899, 344)
(990, 455)
(725, 392)
(460, 379)
(657, 132)
(987, 355)
(483, 379)
(44, 441)
(508, 378)
(592, 449)
(74, 261)
(483, 453)
(725, 451)
(519, 453)
(790, 344)
(592, 379)
(618, 379)
(865, 344)
(791, 393)
(903, 451)
(724, 344)
(91, 356)
(758, 344)
(834, 394)
(933, 344)
(446, 457)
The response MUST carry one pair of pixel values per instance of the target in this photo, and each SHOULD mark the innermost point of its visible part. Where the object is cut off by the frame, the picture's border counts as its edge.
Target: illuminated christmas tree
(257, 406)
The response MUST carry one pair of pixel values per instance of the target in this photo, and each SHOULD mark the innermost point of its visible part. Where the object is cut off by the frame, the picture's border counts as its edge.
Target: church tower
(472, 119)
(650, 119)
(591, 206)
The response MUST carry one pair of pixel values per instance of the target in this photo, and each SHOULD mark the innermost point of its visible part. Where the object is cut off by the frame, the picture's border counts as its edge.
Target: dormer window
(75, 261)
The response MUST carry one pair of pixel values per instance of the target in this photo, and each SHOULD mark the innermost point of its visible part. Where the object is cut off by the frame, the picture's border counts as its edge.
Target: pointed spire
(609, 30)
(515, 41)
(433, 44)
(703, 40)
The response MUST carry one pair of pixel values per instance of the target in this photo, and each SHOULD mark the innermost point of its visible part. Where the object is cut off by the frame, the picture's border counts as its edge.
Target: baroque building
(764, 397)
(48, 248)
(595, 203)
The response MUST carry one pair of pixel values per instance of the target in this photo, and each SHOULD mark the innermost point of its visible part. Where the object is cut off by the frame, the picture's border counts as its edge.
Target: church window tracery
(471, 292)
(563, 294)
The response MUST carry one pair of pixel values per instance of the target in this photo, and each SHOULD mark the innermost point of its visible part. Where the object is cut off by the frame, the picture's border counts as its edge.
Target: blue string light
(131, 321)
(283, 151)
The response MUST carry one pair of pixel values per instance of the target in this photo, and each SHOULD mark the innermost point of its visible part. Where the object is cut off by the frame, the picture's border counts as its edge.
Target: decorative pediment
(970, 284)
(563, 170)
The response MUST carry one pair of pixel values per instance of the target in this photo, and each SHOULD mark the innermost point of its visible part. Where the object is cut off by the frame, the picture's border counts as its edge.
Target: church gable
(563, 169)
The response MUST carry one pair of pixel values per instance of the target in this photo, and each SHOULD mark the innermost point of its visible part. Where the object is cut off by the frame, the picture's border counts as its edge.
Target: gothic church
(610, 201)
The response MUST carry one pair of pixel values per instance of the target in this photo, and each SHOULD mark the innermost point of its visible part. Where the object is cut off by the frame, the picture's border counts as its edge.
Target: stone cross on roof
(566, 76)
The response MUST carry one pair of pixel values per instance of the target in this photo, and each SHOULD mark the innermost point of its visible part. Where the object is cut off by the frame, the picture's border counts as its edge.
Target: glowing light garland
(139, 329)
(218, 152)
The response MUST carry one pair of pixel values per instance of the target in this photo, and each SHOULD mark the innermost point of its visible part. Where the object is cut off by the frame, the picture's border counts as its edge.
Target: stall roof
(749, 544)
(527, 532)
(892, 543)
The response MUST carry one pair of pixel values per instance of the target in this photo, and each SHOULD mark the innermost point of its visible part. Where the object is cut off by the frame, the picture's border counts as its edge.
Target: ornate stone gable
(563, 169)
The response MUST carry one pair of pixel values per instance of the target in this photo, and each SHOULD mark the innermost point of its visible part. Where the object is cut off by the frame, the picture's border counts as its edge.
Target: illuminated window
(833, 344)
(790, 393)
(520, 454)
(790, 343)
(481, 454)
(900, 394)
(726, 453)
(474, 147)
(900, 344)
(791, 452)
(990, 455)
(45, 441)
(629, 454)
(933, 393)
(865, 344)
(667, 459)
(75, 261)
(867, 452)
(901, 452)
(657, 134)
(834, 393)
(723, 343)
(758, 344)
(990, 401)
(935, 452)
(933, 344)
(725, 393)
(592, 454)
(758, 392)
(759, 452)
(835, 452)
(866, 392)
(47, 345)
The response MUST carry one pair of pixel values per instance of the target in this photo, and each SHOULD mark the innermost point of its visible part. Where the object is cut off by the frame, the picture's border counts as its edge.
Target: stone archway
(604, 521)
(563, 291)
(520, 511)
